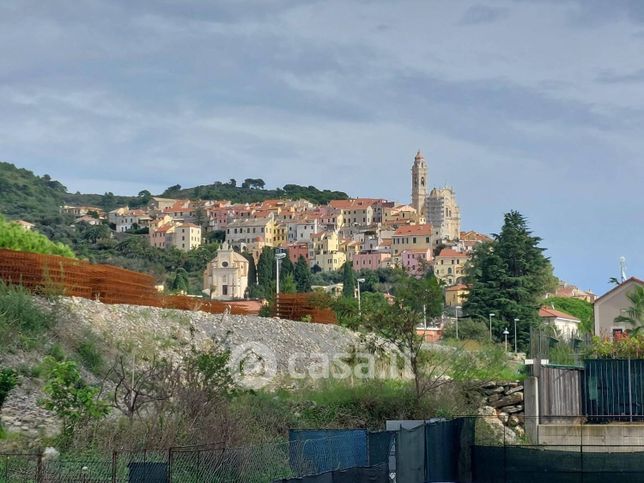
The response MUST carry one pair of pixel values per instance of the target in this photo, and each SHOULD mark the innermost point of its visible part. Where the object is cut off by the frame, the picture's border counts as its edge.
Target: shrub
(8, 381)
(627, 347)
(69, 397)
(468, 329)
(90, 356)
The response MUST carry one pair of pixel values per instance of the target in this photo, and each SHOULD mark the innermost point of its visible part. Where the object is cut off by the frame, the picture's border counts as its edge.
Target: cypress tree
(302, 275)
(265, 276)
(252, 274)
(348, 280)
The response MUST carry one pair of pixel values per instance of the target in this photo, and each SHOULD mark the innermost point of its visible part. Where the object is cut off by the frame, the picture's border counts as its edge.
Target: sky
(535, 106)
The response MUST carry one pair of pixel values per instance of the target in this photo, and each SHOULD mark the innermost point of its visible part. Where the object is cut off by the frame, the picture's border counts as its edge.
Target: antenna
(622, 269)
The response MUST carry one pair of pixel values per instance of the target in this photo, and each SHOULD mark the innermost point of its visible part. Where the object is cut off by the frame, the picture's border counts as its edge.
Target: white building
(226, 275)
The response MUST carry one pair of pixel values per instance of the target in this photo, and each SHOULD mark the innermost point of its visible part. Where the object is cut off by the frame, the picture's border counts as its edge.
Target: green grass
(22, 322)
(90, 355)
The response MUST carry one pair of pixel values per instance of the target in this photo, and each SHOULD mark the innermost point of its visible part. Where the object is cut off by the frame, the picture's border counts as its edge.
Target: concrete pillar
(531, 408)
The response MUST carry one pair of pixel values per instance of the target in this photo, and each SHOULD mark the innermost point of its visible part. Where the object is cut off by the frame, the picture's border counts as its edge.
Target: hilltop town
(370, 233)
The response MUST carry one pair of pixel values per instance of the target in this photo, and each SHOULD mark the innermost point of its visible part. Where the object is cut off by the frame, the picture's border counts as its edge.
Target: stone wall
(502, 406)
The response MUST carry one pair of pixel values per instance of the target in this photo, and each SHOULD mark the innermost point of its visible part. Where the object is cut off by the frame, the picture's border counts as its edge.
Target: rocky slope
(149, 332)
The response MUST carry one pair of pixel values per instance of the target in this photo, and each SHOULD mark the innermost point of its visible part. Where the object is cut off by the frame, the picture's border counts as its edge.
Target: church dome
(419, 155)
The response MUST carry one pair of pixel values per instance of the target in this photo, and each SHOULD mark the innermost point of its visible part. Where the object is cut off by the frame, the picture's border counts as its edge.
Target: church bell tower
(419, 183)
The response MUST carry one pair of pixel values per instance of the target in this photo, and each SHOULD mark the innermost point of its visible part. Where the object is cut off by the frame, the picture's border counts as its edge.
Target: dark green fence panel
(613, 390)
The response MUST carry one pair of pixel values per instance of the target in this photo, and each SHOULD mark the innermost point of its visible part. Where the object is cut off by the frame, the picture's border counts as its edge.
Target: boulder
(512, 390)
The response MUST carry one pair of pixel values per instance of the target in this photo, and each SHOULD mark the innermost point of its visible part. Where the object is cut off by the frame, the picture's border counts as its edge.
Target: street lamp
(278, 260)
(505, 334)
(457, 308)
(491, 315)
(515, 335)
(360, 280)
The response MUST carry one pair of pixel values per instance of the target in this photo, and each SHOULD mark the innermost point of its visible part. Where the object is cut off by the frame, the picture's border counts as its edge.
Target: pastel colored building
(416, 262)
(186, 237)
(449, 266)
(370, 260)
(411, 237)
(613, 304)
(456, 295)
(226, 275)
(297, 250)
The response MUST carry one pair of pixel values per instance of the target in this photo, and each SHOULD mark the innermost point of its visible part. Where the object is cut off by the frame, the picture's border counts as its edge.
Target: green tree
(252, 274)
(423, 295)
(180, 282)
(287, 284)
(286, 266)
(14, 237)
(265, 277)
(508, 277)
(634, 315)
(348, 280)
(302, 275)
(69, 397)
(579, 308)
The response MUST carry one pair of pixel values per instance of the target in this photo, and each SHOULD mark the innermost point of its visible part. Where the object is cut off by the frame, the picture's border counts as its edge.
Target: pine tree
(508, 277)
(302, 275)
(348, 280)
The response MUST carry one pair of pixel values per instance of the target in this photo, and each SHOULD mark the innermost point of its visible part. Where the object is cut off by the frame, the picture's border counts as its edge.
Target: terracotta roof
(188, 225)
(474, 236)
(457, 287)
(451, 253)
(548, 312)
(163, 228)
(424, 230)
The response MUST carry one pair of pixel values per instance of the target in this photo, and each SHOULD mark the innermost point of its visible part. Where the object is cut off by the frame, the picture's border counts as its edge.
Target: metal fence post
(581, 450)
(630, 391)
(505, 456)
(170, 461)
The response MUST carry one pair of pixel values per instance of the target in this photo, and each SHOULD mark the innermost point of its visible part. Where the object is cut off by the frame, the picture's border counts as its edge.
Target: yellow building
(411, 237)
(356, 212)
(449, 266)
(456, 295)
(401, 214)
(242, 232)
(330, 262)
(186, 237)
(326, 250)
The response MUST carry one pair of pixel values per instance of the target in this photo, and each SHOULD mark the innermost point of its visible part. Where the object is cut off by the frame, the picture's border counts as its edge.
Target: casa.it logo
(253, 365)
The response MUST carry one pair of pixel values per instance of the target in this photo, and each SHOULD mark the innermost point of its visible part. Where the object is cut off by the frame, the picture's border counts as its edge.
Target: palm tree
(634, 315)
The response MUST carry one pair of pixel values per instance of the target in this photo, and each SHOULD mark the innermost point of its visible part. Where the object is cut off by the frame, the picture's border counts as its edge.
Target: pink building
(297, 250)
(369, 260)
(416, 262)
